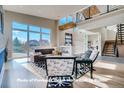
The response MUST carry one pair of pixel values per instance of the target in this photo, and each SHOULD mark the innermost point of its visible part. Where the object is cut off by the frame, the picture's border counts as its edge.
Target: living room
(33, 37)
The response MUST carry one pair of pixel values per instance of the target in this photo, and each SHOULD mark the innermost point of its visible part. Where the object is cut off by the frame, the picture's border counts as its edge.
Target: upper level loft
(88, 13)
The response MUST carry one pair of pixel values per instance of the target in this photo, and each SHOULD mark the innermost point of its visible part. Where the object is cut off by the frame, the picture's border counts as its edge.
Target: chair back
(60, 66)
(94, 55)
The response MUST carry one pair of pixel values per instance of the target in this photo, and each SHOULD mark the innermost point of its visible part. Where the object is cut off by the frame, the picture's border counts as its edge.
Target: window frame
(29, 31)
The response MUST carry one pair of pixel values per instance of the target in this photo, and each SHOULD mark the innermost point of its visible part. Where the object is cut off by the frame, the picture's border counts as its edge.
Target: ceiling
(47, 11)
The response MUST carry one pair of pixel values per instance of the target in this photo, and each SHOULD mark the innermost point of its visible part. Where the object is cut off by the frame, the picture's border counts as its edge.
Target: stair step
(121, 44)
(109, 55)
(109, 51)
(120, 36)
(119, 28)
(122, 30)
(122, 27)
(120, 33)
(109, 48)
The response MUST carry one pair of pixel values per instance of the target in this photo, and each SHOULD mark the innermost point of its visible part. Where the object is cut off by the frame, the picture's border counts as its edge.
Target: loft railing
(95, 10)
(88, 13)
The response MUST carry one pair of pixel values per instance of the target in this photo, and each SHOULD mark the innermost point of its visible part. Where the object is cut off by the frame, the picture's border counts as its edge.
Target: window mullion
(28, 40)
(40, 36)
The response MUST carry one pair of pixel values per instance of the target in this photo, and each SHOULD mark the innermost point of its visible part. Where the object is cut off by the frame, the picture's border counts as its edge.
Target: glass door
(20, 44)
(26, 38)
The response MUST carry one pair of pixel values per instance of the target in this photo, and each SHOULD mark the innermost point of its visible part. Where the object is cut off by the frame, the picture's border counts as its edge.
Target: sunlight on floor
(22, 60)
(101, 76)
(106, 65)
(98, 80)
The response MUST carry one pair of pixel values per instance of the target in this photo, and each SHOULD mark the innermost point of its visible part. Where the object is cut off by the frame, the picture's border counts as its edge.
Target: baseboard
(1, 74)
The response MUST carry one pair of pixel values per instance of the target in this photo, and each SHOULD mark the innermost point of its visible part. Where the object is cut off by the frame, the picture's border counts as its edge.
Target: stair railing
(103, 48)
(115, 46)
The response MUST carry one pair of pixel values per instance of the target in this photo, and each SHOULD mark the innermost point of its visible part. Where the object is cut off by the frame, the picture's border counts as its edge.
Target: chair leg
(91, 71)
(94, 69)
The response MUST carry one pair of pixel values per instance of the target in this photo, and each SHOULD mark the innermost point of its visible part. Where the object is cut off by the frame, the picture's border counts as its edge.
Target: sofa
(38, 53)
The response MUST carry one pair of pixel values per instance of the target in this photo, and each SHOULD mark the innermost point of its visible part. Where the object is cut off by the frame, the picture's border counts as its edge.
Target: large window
(28, 37)
(45, 39)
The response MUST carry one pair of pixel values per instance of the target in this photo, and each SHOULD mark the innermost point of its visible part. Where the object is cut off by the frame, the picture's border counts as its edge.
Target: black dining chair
(86, 63)
(60, 72)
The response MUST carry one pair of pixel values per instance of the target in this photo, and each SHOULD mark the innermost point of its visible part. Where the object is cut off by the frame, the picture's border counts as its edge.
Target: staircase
(108, 49)
(120, 33)
(115, 47)
(119, 44)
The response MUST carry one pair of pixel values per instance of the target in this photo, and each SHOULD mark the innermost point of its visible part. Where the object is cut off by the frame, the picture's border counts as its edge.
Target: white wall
(111, 35)
(2, 42)
(93, 39)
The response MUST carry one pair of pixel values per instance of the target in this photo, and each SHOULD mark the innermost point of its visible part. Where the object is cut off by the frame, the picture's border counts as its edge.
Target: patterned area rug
(41, 72)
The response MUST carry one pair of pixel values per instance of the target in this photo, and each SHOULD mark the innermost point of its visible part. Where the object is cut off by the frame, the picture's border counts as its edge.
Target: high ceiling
(48, 11)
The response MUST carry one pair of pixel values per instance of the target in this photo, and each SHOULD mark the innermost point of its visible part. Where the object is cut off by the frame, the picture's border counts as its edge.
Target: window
(27, 37)
(62, 21)
(34, 41)
(67, 19)
(20, 26)
(19, 43)
(34, 28)
(45, 30)
(45, 39)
